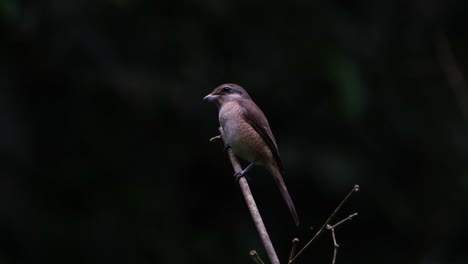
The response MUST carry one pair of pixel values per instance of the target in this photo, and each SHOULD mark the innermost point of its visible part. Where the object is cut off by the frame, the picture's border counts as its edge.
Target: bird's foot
(226, 147)
(239, 175)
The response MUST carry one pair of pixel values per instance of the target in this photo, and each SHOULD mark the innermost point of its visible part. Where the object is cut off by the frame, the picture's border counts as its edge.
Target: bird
(247, 132)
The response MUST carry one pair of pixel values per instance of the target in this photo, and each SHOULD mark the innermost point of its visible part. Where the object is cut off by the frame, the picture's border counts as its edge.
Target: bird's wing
(260, 124)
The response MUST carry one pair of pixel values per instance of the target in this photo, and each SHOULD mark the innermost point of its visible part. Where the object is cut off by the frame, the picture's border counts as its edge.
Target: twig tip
(356, 188)
(295, 242)
(255, 257)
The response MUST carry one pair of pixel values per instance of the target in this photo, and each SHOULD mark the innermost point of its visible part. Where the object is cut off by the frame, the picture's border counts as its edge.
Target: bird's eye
(227, 89)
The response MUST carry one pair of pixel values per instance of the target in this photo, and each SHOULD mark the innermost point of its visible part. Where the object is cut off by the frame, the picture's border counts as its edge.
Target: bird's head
(226, 92)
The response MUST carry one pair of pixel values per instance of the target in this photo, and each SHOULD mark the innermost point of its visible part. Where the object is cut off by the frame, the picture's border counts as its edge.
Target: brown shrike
(247, 132)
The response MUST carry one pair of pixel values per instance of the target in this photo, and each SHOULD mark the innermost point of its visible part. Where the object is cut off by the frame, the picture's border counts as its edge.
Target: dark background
(104, 136)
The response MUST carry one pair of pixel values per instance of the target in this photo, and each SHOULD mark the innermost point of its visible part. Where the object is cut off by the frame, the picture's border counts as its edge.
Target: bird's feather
(260, 124)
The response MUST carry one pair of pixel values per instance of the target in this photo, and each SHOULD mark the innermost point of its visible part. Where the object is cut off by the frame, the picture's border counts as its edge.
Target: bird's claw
(226, 147)
(239, 175)
(215, 137)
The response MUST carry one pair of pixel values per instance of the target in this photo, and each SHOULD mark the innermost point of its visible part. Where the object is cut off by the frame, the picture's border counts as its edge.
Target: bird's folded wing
(255, 117)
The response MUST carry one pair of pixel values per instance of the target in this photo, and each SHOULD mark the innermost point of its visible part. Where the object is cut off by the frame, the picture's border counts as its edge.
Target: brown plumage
(248, 133)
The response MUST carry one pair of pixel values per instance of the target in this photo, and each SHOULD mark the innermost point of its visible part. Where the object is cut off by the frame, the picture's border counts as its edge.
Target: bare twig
(257, 218)
(335, 246)
(255, 257)
(355, 189)
(350, 217)
(295, 242)
(332, 230)
(452, 71)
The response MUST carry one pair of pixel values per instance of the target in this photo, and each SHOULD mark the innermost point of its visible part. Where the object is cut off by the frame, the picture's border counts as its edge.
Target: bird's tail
(284, 192)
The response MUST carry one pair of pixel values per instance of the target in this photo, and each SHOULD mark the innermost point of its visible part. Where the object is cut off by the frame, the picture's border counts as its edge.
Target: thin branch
(255, 257)
(355, 189)
(295, 242)
(350, 217)
(332, 230)
(249, 199)
(452, 71)
(335, 246)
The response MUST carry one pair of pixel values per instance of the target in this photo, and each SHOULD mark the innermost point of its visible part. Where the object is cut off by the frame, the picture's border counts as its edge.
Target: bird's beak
(209, 98)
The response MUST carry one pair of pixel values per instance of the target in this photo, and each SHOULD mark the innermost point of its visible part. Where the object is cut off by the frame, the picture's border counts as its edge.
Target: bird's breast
(239, 134)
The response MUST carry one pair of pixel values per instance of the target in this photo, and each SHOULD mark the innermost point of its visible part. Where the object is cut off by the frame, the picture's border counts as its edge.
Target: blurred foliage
(104, 137)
